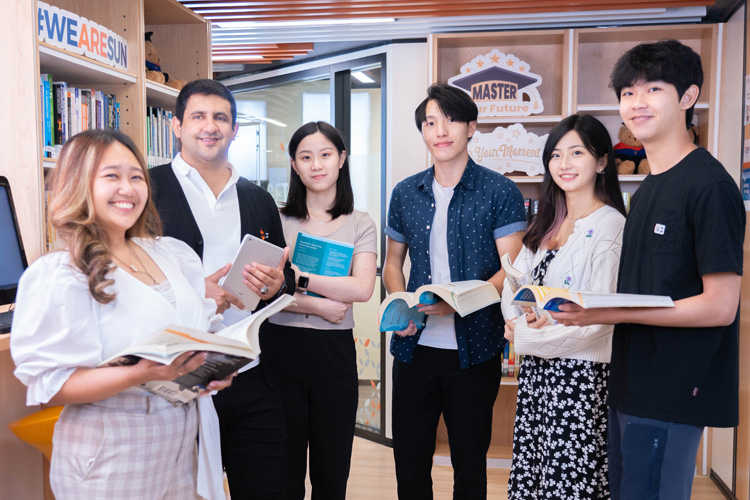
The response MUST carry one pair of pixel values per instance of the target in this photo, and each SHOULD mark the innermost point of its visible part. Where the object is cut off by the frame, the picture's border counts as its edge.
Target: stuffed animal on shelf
(630, 157)
(153, 66)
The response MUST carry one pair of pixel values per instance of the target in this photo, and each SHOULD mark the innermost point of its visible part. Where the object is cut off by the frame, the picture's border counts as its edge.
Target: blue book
(47, 115)
(322, 256)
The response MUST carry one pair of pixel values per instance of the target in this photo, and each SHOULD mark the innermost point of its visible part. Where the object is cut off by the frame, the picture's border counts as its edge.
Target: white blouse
(59, 327)
(589, 261)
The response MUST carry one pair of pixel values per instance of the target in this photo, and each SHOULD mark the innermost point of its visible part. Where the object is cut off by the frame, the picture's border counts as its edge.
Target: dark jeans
(253, 436)
(432, 384)
(317, 373)
(651, 459)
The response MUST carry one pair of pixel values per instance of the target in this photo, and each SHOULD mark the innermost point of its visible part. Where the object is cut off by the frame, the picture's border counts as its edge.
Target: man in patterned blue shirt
(455, 220)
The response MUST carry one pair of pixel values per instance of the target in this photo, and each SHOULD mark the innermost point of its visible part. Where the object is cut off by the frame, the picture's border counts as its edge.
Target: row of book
(68, 110)
(161, 144)
(511, 361)
(532, 206)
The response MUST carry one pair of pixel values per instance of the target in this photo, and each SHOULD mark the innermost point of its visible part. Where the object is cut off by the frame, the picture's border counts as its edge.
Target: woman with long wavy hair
(114, 283)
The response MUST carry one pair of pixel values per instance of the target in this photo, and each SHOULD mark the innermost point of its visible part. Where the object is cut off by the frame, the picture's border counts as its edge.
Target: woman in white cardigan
(112, 285)
(560, 434)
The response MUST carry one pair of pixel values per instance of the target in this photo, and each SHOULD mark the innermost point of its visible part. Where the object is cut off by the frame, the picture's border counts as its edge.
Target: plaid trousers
(125, 447)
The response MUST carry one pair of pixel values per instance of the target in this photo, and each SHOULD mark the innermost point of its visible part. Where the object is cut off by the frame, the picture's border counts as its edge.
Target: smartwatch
(303, 281)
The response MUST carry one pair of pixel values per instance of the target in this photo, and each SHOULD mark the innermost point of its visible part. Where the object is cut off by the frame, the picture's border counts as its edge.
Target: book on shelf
(322, 256)
(68, 110)
(511, 361)
(227, 351)
(161, 143)
(465, 297)
(550, 299)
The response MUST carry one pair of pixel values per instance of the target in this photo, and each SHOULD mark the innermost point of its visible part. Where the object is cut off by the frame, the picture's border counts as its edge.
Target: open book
(227, 351)
(465, 297)
(550, 299)
(517, 279)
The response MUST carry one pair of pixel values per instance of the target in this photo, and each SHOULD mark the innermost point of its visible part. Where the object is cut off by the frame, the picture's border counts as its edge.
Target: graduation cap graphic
(493, 73)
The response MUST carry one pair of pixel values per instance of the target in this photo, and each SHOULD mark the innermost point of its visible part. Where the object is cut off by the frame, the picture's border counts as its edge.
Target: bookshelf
(574, 65)
(184, 43)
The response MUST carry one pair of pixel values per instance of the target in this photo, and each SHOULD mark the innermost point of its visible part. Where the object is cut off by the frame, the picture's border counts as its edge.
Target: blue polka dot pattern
(485, 206)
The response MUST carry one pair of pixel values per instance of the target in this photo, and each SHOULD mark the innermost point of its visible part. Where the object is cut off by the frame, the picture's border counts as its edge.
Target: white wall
(407, 79)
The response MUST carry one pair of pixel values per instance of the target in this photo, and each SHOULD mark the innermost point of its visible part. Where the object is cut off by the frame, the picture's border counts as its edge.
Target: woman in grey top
(314, 342)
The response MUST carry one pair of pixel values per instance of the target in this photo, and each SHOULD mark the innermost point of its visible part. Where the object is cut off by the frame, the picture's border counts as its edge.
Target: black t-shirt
(683, 223)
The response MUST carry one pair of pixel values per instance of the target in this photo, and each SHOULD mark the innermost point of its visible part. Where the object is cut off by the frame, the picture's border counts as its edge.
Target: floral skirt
(560, 435)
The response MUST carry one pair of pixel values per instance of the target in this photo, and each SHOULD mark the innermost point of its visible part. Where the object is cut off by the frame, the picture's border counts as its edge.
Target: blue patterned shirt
(485, 206)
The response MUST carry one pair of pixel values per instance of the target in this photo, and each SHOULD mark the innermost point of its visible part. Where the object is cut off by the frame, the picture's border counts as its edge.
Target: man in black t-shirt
(674, 370)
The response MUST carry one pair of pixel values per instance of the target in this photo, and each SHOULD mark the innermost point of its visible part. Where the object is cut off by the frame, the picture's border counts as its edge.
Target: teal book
(322, 256)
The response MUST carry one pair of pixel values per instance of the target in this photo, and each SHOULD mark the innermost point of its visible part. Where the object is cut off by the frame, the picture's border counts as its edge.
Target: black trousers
(317, 374)
(434, 383)
(253, 436)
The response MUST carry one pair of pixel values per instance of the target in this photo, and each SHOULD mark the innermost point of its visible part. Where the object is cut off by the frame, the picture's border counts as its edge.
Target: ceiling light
(311, 22)
(362, 77)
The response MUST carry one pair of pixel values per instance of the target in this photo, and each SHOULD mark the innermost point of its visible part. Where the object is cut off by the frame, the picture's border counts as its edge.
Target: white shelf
(161, 96)
(614, 109)
(77, 70)
(524, 179)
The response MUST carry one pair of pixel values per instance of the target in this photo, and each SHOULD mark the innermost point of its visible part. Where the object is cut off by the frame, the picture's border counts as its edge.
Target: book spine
(46, 111)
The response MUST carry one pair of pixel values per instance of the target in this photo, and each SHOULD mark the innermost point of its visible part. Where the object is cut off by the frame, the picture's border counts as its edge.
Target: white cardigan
(58, 327)
(588, 261)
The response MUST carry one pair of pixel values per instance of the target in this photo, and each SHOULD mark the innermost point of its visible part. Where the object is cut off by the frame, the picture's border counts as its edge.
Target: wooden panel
(544, 51)
(180, 55)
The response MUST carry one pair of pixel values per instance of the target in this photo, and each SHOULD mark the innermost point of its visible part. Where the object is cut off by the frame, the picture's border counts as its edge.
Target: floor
(372, 478)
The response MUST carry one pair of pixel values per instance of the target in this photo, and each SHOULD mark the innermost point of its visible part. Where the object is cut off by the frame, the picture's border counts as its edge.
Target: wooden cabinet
(575, 66)
(184, 43)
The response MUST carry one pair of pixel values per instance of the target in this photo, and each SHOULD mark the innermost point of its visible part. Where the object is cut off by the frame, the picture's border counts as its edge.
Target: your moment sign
(501, 85)
(71, 32)
(511, 149)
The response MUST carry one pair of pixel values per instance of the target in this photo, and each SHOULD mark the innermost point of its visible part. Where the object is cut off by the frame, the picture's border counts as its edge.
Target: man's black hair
(668, 60)
(204, 87)
(453, 102)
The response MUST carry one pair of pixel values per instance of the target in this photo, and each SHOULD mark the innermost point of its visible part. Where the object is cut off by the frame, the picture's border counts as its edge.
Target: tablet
(251, 250)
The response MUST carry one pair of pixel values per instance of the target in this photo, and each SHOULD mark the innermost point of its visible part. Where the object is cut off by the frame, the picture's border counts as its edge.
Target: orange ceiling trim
(452, 10)
(280, 46)
(245, 5)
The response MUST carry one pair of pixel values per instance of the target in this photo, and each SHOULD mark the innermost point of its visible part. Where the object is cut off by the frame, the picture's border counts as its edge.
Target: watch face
(303, 281)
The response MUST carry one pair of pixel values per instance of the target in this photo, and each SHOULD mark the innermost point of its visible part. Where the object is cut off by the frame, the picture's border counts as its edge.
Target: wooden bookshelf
(184, 43)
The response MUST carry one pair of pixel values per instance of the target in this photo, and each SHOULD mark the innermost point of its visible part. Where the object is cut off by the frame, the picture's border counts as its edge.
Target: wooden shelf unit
(184, 42)
(575, 66)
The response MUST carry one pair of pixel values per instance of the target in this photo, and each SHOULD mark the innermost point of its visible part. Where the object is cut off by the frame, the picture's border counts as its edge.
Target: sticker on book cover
(501, 85)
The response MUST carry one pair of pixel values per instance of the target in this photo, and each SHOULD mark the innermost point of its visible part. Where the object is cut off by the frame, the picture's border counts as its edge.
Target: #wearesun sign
(79, 35)
(501, 85)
